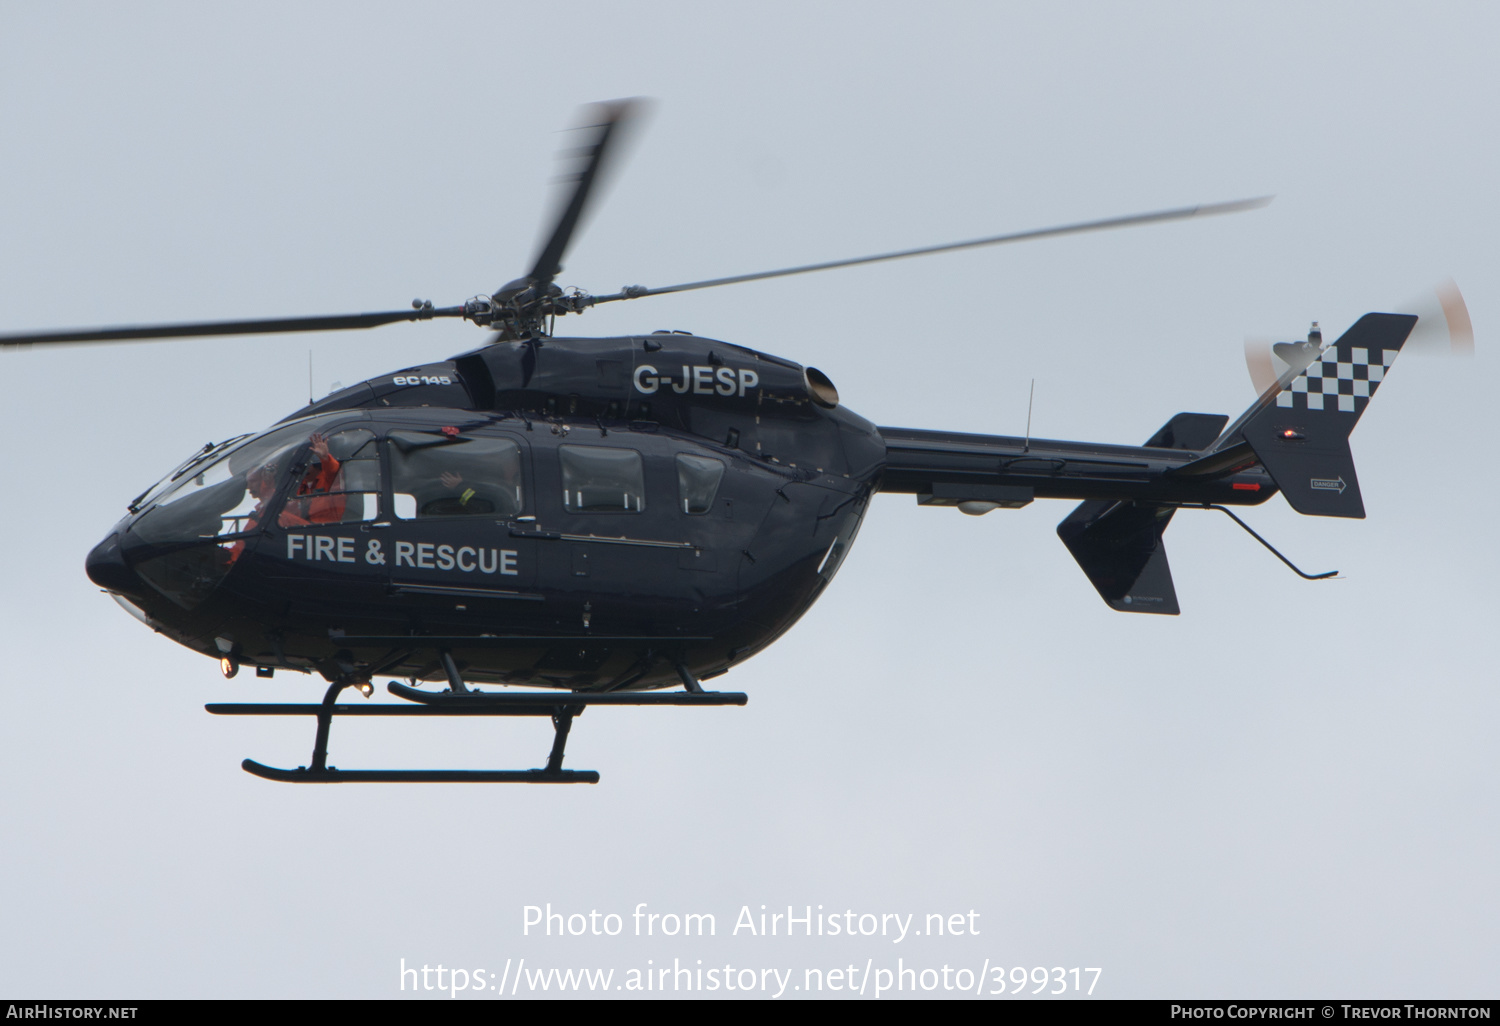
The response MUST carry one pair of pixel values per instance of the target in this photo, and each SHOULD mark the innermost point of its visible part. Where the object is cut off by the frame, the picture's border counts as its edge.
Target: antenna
(309, 378)
(1029, 402)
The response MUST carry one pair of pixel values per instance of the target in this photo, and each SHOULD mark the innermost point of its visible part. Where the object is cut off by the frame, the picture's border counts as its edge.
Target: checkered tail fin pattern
(1300, 432)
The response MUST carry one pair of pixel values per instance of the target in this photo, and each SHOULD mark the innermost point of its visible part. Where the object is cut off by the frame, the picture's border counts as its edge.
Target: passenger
(448, 495)
(451, 481)
(316, 509)
(321, 509)
(478, 479)
(500, 494)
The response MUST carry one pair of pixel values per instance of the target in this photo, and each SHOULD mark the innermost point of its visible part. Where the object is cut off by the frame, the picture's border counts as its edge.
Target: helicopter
(602, 520)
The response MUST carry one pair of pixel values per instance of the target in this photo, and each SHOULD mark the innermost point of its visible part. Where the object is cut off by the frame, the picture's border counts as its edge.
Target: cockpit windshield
(223, 498)
(211, 451)
(202, 520)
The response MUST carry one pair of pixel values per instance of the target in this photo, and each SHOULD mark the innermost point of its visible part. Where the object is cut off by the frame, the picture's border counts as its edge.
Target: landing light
(229, 665)
(365, 688)
(977, 509)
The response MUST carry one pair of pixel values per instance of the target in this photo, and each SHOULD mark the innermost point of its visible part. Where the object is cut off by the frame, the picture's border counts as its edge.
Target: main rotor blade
(337, 322)
(602, 137)
(1178, 214)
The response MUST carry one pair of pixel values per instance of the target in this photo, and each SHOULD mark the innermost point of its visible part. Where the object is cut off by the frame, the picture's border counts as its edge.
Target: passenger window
(439, 475)
(343, 489)
(698, 480)
(600, 480)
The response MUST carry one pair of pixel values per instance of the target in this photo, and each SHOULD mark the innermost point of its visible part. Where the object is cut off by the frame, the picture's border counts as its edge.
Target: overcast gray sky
(1289, 790)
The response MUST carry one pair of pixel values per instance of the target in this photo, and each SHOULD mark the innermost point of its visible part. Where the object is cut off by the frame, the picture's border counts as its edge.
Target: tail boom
(1294, 439)
(945, 466)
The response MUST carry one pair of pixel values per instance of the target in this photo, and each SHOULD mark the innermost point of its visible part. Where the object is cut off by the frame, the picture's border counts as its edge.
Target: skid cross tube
(325, 721)
(688, 680)
(562, 722)
(455, 682)
(560, 708)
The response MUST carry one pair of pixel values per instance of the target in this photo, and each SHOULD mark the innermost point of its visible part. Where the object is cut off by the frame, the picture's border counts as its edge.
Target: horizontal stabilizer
(1191, 431)
(1119, 546)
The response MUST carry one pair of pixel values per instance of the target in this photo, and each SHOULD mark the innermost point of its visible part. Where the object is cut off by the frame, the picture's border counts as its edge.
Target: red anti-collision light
(1245, 486)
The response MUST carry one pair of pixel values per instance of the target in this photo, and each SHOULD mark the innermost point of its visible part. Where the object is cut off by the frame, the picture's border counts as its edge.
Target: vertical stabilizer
(1300, 432)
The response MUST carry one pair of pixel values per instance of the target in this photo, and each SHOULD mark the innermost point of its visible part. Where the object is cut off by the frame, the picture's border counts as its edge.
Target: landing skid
(459, 701)
(331, 775)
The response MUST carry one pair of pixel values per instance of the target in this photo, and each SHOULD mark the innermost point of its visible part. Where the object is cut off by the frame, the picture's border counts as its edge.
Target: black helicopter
(604, 518)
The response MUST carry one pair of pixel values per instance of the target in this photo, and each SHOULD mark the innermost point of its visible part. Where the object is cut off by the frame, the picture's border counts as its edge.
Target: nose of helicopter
(107, 568)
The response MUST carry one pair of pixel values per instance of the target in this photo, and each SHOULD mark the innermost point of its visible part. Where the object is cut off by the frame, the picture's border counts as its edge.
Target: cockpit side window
(440, 475)
(600, 480)
(341, 486)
